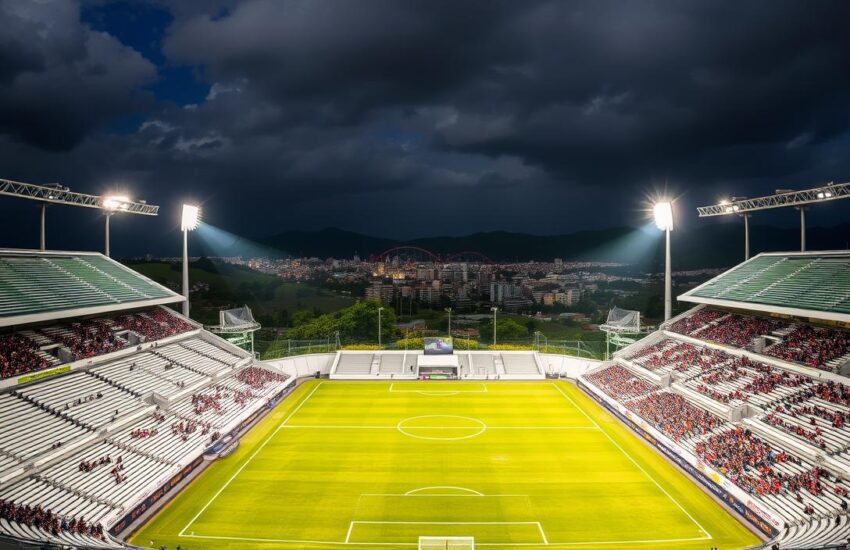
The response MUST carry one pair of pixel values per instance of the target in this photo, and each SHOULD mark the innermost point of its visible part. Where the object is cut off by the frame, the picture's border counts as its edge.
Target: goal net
(446, 543)
(237, 318)
(622, 320)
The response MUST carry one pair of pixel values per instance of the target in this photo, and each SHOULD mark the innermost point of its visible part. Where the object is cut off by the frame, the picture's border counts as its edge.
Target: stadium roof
(806, 284)
(41, 286)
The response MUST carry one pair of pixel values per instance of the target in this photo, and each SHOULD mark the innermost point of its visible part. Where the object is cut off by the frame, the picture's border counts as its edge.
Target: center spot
(441, 427)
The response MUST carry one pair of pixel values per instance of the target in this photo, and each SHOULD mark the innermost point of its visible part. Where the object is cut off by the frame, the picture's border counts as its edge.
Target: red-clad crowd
(682, 357)
(674, 415)
(740, 330)
(184, 428)
(750, 463)
(257, 377)
(143, 433)
(695, 321)
(203, 402)
(89, 338)
(36, 516)
(764, 380)
(84, 339)
(813, 347)
(620, 383)
(18, 355)
(154, 324)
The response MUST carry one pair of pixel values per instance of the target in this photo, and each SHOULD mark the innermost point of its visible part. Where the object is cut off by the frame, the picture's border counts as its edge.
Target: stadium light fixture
(494, 310)
(112, 204)
(663, 212)
(189, 221)
(191, 217)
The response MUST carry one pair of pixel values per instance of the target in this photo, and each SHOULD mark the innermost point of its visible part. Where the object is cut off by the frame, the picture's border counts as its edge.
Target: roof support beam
(57, 194)
(826, 193)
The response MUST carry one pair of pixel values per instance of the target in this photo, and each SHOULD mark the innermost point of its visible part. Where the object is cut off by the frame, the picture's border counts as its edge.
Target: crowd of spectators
(740, 330)
(813, 435)
(674, 415)
(37, 517)
(692, 323)
(257, 377)
(143, 433)
(84, 339)
(682, 357)
(87, 338)
(813, 347)
(203, 402)
(153, 324)
(750, 463)
(185, 428)
(757, 378)
(89, 465)
(620, 383)
(19, 355)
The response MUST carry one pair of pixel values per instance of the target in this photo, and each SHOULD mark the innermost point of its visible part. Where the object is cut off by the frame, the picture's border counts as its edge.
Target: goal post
(446, 543)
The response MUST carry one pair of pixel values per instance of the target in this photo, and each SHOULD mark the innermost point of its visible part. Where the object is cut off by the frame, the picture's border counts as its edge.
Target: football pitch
(379, 464)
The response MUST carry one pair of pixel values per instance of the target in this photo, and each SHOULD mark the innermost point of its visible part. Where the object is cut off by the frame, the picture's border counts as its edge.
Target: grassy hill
(272, 300)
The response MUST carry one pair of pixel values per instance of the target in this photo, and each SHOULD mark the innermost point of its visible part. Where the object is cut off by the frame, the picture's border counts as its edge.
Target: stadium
(128, 425)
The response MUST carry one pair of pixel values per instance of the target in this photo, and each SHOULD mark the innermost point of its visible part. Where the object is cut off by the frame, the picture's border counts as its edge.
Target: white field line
(250, 458)
(504, 545)
(534, 523)
(542, 534)
(633, 461)
(445, 391)
(368, 427)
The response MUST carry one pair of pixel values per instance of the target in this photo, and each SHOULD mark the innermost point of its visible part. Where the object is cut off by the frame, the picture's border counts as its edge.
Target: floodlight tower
(663, 211)
(494, 309)
(380, 309)
(189, 222)
(449, 311)
(112, 204)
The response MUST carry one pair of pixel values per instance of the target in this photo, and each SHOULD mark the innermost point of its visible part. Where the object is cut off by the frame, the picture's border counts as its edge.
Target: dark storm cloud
(60, 80)
(510, 115)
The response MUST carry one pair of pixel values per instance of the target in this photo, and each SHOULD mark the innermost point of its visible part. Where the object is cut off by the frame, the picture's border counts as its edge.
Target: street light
(189, 222)
(449, 311)
(494, 309)
(380, 309)
(663, 212)
(111, 205)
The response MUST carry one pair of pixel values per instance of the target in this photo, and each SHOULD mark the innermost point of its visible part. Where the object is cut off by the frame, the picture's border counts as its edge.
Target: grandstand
(123, 398)
(414, 364)
(750, 387)
(119, 397)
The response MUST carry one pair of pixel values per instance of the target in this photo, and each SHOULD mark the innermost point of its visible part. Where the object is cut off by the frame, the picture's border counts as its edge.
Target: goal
(446, 543)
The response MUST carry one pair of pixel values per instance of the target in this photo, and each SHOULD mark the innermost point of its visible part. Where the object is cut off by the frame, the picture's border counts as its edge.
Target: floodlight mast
(663, 212)
(190, 219)
(112, 204)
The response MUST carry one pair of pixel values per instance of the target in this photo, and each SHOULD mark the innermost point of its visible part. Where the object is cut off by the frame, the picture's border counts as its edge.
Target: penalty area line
(250, 458)
(501, 544)
(633, 461)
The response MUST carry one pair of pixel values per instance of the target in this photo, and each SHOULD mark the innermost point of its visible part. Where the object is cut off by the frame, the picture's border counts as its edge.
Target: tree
(506, 329)
(358, 322)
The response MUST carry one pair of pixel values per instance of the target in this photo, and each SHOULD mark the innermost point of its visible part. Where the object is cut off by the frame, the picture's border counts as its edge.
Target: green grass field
(377, 464)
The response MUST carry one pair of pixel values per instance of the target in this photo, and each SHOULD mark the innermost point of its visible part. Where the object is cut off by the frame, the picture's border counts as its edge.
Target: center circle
(441, 427)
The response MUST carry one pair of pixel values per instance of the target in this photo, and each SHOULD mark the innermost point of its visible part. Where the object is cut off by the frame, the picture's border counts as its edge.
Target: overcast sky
(417, 118)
